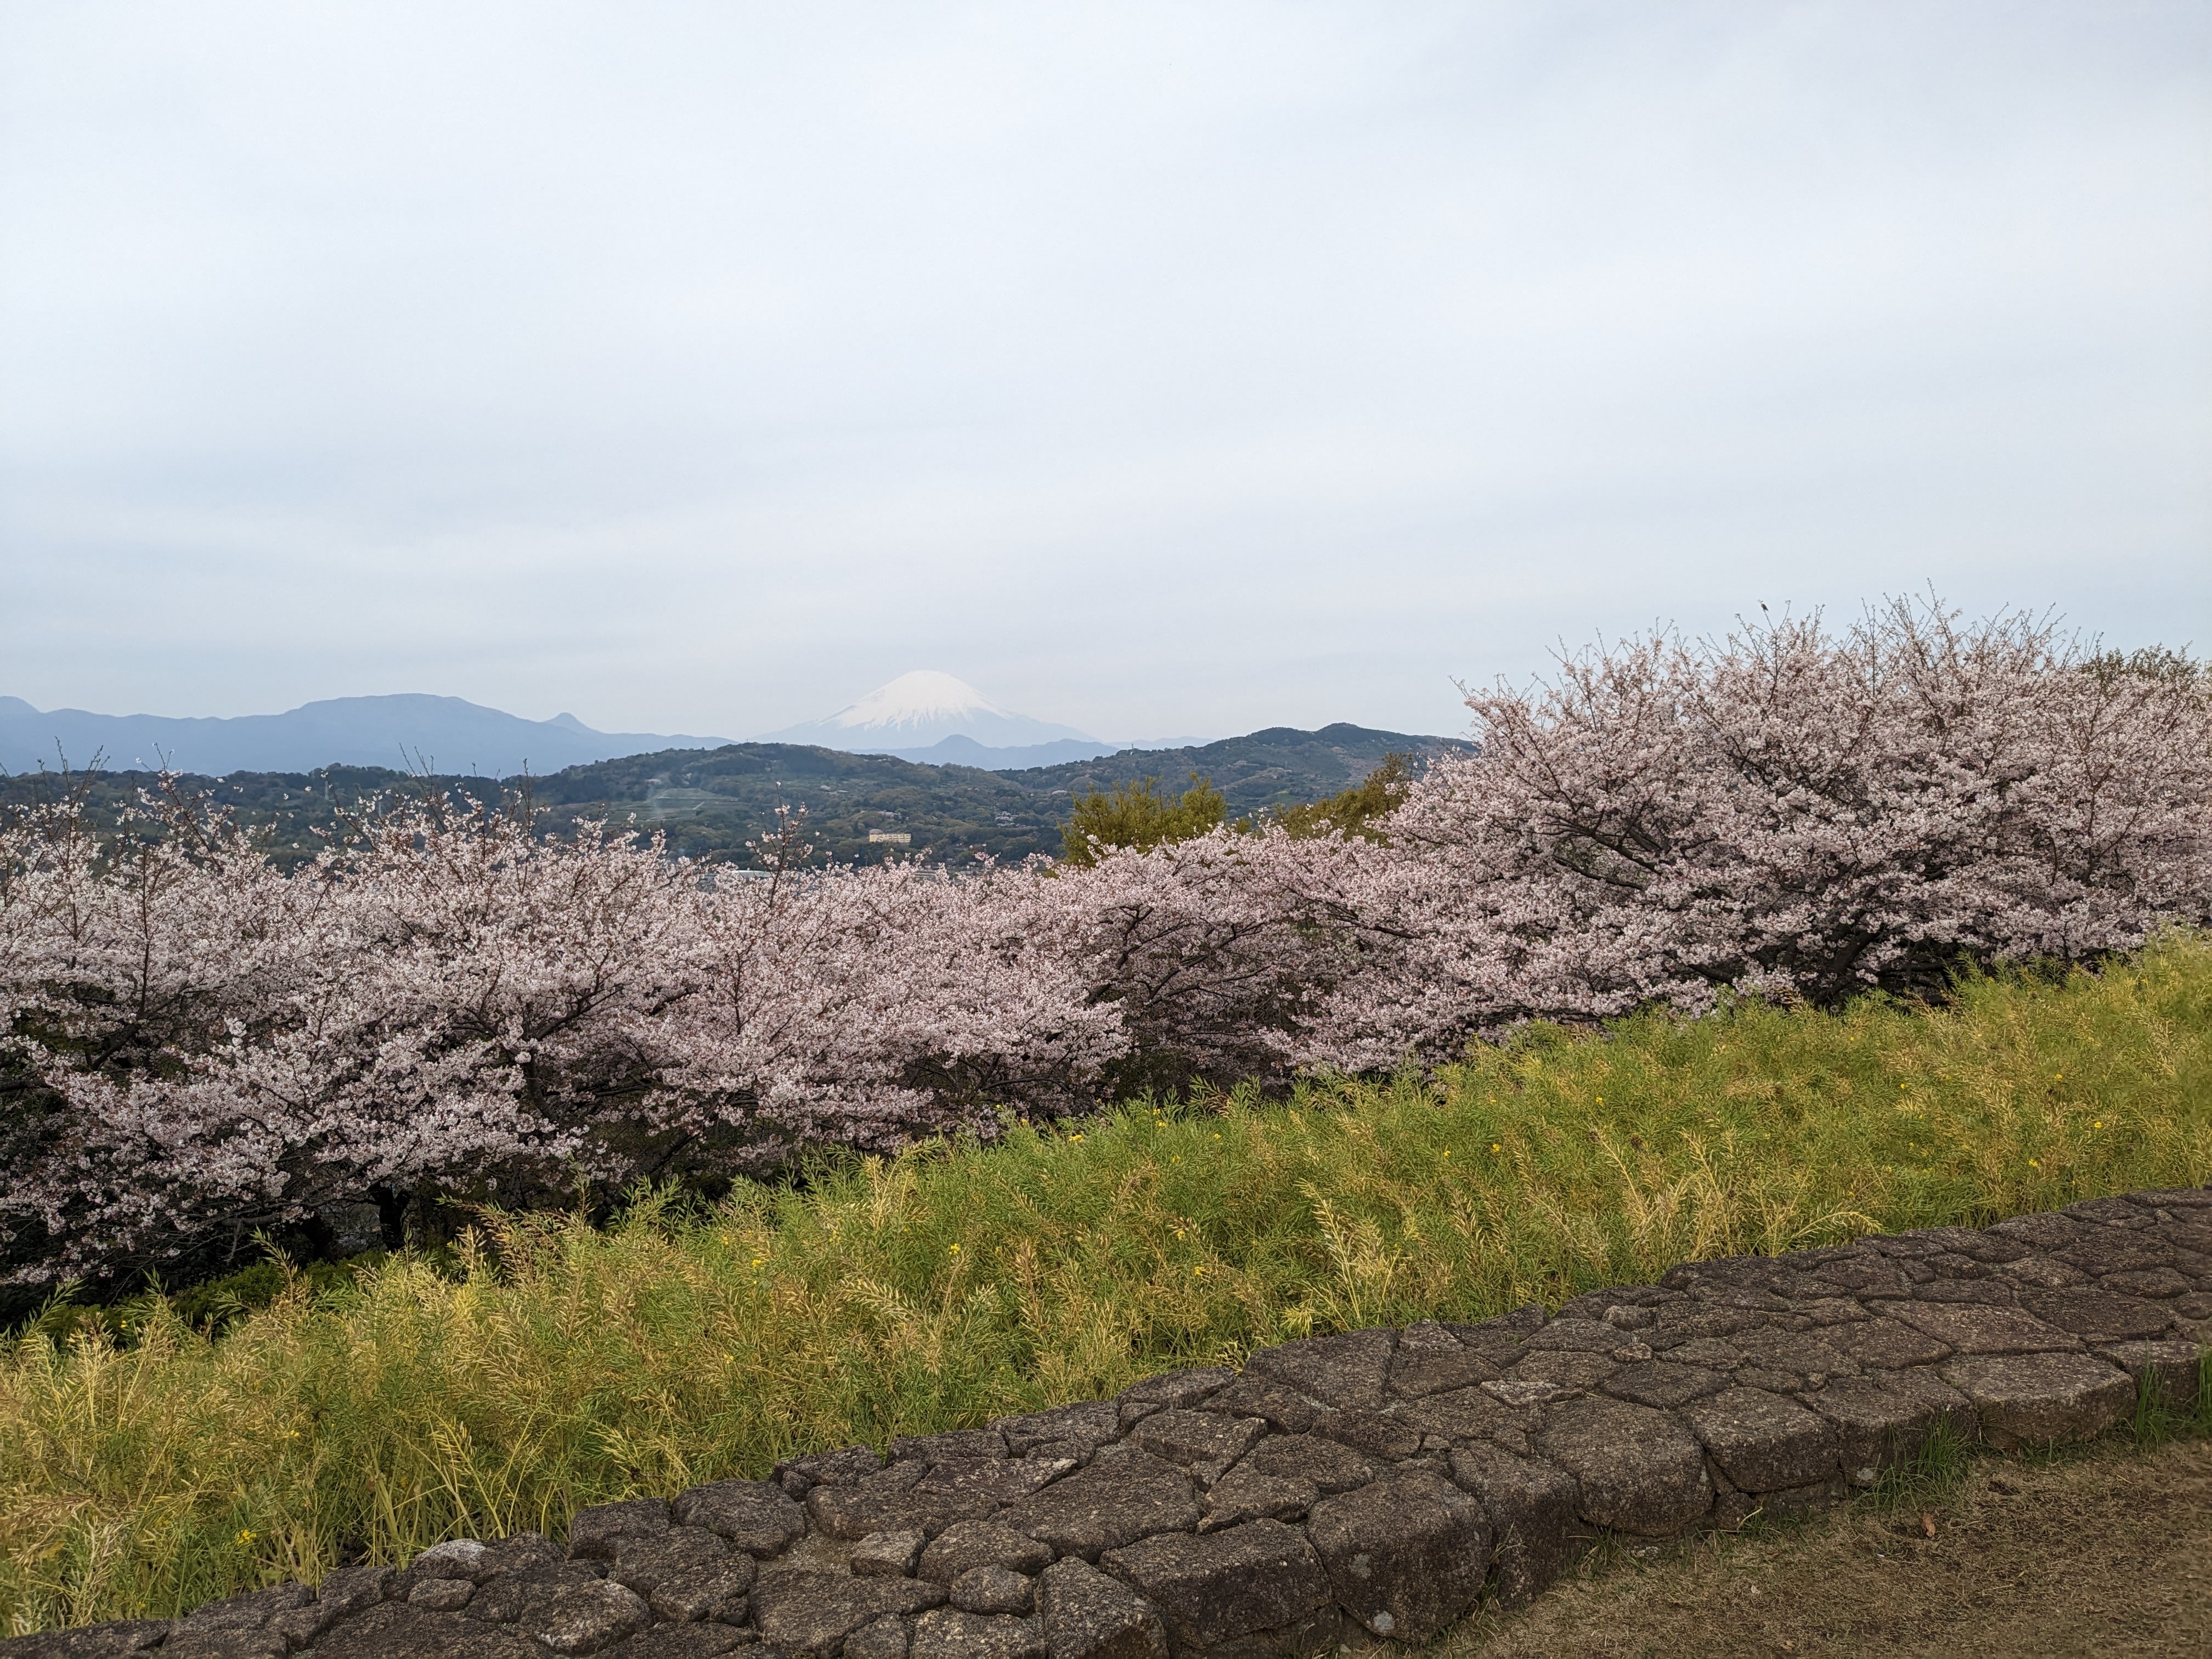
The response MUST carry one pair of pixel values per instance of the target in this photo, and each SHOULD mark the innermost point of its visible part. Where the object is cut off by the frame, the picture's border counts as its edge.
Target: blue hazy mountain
(407, 732)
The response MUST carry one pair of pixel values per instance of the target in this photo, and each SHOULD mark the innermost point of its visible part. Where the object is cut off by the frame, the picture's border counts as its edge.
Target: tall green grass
(147, 1466)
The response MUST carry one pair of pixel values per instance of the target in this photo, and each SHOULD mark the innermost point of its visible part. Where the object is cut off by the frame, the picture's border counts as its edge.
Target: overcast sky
(1161, 369)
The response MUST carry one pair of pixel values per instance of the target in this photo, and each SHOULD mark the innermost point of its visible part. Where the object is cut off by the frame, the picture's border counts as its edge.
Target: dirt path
(2106, 1552)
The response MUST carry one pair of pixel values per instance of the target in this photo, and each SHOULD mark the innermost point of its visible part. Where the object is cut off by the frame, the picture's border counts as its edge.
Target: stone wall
(1382, 1478)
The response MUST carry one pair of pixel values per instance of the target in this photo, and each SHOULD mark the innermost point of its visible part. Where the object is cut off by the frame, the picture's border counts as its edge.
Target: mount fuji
(940, 721)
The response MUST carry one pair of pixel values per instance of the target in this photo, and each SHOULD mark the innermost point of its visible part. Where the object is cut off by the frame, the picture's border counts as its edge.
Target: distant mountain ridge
(710, 804)
(925, 717)
(404, 731)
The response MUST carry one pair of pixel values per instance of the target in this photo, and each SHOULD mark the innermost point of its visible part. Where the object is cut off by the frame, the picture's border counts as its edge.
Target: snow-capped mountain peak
(915, 700)
(920, 709)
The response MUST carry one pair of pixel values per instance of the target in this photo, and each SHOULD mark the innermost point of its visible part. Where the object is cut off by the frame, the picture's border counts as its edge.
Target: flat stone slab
(1475, 1414)
(953, 1633)
(2043, 1399)
(1763, 1442)
(1224, 1585)
(1404, 1557)
(1087, 1425)
(1885, 1344)
(1665, 1385)
(1188, 1436)
(1243, 1495)
(813, 1613)
(1883, 1419)
(1328, 1465)
(1968, 1328)
(1431, 1370)
(1383, 1480)
(1086, 1614)
(1638, 1470)
(2106, 1313)
(1108, 1505)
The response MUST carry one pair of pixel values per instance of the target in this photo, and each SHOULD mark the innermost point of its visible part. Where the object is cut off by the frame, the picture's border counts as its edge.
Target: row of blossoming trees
(449, 1003)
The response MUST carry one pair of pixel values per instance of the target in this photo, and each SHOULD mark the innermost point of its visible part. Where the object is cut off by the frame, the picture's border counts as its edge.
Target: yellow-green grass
(144, 1469)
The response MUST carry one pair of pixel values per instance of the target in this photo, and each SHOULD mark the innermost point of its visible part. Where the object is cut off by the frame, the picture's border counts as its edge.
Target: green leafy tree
(1136, 815)
(1357, 810)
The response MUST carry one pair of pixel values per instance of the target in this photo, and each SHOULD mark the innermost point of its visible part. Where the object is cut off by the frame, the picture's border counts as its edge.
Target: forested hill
(1279, 767)
(710, 802)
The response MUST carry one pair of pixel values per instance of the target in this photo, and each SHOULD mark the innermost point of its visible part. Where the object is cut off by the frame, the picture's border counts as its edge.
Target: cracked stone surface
(755, 1515)
(992, 1590)
(2024, 1401)
(590, 1617)
(951, 1633)
(644, 1564)
(1384, 1478)
(1404, 1557)
(814, 1612)
(1763, 1441)
(1636, 1469)
(880, 1638)
(1224, 1585)
(1108, 1504)
(1202, 1437)
(970, 1544)
(1087, 1615)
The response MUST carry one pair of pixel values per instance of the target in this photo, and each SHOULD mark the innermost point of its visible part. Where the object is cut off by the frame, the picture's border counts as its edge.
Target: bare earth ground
(2108, 1550)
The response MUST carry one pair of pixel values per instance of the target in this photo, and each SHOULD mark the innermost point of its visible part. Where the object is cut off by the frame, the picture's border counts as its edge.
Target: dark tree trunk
(391, 1216)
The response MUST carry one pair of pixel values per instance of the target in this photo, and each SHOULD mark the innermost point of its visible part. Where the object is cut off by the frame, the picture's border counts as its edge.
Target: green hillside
(710, 802)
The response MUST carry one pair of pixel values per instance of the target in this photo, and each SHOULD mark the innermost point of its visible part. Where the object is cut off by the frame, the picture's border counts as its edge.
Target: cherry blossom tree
(451, 1003)
(1780, 813)
(116, 963)
(867, 1006)
(1212, 950)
